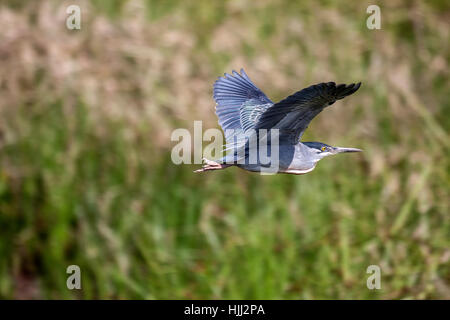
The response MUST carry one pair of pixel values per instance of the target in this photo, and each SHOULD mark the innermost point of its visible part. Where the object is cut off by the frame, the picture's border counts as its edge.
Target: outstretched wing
(293, 114)
(239, 103)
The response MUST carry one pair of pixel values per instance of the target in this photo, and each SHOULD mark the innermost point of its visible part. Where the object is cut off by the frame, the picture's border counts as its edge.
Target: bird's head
(320, 150)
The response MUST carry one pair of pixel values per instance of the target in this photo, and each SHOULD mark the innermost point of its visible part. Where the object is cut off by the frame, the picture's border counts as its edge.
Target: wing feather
(293, 114)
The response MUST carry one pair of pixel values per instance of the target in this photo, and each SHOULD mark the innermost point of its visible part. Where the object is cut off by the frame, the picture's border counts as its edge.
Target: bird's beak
(340, 150)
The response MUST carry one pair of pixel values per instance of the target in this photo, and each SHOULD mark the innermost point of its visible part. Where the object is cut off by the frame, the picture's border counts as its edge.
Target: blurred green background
(86, 176)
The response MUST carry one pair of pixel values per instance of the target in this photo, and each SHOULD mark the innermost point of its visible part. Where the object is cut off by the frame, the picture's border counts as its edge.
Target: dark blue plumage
(236, 97)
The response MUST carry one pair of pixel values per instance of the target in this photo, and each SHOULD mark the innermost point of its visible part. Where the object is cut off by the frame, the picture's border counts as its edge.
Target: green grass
(79, 185)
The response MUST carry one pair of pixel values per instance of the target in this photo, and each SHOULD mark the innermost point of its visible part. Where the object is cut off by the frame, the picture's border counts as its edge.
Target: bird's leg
(211, 165)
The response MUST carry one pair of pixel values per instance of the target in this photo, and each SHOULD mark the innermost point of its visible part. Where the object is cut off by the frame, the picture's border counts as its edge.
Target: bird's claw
(209, 165)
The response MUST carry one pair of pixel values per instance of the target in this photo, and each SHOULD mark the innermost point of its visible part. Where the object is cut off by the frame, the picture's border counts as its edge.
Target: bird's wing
(293, 114)
(239, 103)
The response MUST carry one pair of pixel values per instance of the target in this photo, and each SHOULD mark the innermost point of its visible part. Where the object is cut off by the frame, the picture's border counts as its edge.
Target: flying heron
(242, 108)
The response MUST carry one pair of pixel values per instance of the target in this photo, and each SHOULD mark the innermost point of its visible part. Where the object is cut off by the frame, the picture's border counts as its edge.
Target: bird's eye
(324, 148)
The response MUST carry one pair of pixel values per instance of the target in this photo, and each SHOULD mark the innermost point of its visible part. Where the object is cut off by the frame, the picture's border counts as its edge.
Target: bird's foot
(211, 165)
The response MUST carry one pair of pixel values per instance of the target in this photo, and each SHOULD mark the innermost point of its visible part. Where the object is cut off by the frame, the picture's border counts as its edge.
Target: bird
(244, 111)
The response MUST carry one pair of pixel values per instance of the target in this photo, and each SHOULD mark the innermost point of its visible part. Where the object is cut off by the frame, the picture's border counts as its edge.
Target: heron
(241, 107)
